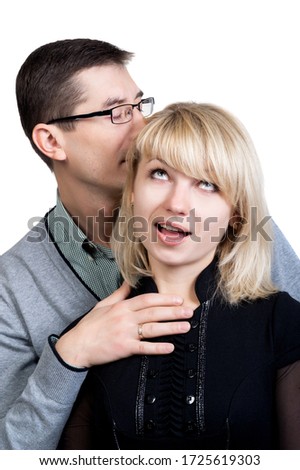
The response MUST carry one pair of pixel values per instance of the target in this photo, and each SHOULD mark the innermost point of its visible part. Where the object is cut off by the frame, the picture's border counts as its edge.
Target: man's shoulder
(282, 246)
(285, 265)
(35, 254)
(36, 242)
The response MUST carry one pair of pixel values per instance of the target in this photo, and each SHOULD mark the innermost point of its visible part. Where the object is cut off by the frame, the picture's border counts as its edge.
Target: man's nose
(138, 120)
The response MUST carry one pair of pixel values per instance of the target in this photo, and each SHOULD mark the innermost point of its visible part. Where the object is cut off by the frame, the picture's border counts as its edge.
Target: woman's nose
(178, 201)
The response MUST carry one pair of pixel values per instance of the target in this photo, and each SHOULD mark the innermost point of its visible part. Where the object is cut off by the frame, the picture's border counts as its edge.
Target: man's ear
(47, 138)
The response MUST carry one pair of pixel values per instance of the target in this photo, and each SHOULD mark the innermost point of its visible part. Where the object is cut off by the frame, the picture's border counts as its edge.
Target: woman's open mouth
(171, 234)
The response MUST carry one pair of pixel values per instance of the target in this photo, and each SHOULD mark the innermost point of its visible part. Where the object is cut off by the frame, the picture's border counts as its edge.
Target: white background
(240, 54)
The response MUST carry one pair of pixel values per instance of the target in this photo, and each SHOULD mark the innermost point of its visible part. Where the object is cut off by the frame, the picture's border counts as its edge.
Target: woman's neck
(170, 280)
(183, 288)
(179, 280)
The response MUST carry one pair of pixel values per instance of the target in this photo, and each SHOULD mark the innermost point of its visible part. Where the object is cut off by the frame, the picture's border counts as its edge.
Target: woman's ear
(47, 138)
(235, 217)
(236, 224)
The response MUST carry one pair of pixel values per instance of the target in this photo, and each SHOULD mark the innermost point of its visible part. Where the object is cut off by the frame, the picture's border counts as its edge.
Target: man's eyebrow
(139, 94)
(110, 102)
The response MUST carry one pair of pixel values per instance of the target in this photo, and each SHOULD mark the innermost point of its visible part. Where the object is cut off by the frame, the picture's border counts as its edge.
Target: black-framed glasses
(118, 115)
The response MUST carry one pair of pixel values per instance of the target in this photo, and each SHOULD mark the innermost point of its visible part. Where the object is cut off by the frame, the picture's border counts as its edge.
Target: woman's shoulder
(278, 301)
(286, 328)
(283, 300)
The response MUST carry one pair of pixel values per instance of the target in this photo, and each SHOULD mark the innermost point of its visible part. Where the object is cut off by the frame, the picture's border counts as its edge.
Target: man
(80, 109)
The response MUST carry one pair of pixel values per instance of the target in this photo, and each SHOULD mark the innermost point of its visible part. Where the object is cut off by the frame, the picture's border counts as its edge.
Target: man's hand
(114, 328)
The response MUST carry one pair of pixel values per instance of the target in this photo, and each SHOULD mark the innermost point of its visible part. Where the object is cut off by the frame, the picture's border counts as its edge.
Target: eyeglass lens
(124, 113)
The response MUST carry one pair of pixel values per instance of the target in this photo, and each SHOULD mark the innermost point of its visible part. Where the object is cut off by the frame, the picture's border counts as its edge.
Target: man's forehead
(110, 84)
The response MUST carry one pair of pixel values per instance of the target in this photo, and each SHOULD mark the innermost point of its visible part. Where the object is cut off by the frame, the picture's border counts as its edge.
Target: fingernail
(185, 327)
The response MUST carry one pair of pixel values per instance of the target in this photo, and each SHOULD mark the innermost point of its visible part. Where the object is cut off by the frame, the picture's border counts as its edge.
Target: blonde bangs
(201, 145)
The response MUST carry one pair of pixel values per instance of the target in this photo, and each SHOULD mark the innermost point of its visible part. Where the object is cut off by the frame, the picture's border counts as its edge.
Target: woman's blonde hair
(208, 143)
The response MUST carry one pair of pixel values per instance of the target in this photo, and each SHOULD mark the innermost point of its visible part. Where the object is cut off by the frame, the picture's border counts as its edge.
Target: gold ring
(140, 330)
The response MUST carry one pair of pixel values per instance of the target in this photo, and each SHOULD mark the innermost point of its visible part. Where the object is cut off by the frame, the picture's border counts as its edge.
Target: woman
(194, 221)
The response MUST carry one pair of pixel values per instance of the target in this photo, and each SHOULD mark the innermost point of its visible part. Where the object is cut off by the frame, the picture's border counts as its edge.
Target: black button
(190, 427)
(191, 373)
(150, 425)
(89, 248)
(152, 373)
(150, 399)
(194, 323)
(191, 347)
(189, 399)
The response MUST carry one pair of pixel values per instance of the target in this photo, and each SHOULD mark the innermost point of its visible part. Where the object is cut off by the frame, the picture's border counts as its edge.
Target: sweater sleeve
(35, 419)
(285, 265)
(39, 296)
(37, 390)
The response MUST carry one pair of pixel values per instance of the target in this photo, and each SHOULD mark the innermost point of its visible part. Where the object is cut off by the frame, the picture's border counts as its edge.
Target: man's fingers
(117, 296)
(147, 348)
(163, 314)
(153, 300)
(155, 330)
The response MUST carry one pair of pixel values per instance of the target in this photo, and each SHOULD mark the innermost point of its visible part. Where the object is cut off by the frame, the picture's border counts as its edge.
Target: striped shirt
(94, 264)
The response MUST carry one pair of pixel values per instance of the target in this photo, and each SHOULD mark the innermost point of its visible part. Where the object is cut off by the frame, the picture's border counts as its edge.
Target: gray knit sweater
(39, 296)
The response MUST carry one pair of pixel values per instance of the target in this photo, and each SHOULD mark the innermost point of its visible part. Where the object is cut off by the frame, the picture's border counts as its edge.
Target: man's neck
(94, 216)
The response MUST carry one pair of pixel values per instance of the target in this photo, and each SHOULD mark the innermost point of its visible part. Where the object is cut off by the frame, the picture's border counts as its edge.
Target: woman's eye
(209, 187)
(159, 174)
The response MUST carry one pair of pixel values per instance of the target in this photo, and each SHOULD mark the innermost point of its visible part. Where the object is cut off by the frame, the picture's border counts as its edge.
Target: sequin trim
(201, 366)
(140, 399)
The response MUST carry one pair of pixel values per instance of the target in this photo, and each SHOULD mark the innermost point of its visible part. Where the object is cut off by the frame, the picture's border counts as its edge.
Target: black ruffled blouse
(232, 382)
